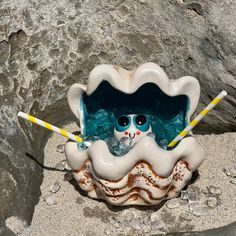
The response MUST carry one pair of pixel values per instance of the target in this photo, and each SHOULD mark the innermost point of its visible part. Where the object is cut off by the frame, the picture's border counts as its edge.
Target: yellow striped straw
(48, 126)
(196, 120)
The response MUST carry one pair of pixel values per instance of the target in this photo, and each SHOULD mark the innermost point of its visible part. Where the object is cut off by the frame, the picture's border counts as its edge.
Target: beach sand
(76, 214)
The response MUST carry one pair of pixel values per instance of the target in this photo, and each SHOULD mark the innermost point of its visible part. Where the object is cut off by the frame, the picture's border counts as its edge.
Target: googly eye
(141, 122)
(123, 123)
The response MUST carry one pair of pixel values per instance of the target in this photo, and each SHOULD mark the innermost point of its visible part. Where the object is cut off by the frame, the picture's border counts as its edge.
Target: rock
(68, 176)
(39, 61)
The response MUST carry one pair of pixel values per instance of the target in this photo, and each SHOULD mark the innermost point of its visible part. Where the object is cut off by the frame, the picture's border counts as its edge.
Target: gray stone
(68, 176)
(43, 50)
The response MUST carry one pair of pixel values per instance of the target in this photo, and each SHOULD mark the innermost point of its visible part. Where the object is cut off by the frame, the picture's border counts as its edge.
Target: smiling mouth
(131, 137)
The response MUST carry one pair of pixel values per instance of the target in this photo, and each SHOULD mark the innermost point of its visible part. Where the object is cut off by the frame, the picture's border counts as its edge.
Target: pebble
(68, 176)
(173, 203)
(61, 148)
(55, 187)
(214, 190)
(212, 202)
(50, 200)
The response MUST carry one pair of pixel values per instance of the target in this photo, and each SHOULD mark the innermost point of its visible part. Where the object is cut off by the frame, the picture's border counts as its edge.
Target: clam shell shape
(147, 174)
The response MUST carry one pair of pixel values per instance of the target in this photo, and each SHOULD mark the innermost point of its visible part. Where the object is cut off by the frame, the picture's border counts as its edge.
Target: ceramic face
(134, 126)
(147, 174)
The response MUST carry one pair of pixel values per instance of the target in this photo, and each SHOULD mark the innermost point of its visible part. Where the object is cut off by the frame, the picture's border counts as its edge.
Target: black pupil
(140, 119)
(123, 121)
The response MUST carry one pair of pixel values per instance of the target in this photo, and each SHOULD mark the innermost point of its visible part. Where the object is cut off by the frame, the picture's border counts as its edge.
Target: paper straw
(196, 120)
(48, 126)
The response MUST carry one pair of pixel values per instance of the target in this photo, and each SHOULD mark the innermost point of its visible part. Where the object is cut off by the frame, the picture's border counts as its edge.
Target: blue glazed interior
(168, 115)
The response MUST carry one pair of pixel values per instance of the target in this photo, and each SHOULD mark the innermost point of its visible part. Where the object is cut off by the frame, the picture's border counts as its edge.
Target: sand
(76, 214)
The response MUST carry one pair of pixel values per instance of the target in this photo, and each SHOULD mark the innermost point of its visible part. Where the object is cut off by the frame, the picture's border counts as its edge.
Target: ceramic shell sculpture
(148, 173)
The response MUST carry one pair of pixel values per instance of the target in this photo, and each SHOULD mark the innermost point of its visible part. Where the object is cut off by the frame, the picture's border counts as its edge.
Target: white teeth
(96, 169)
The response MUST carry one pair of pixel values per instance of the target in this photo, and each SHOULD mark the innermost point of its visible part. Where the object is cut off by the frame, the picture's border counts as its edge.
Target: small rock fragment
(68, 176)
(55, 187)
(61, 148)
(173, 203)
(214, 190)
(50, 200)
